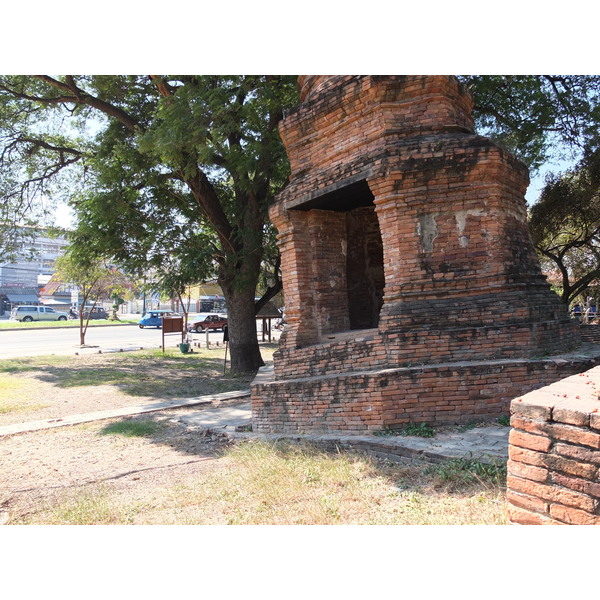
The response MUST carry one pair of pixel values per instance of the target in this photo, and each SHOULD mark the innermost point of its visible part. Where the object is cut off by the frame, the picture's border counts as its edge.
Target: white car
(36, 313)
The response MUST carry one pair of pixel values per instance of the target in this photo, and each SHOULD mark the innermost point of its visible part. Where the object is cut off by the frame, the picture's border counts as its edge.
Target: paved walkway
(122, 412)
(486, 444)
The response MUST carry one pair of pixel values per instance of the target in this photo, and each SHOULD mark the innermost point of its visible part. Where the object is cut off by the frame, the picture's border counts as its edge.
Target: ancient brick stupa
(412, 289)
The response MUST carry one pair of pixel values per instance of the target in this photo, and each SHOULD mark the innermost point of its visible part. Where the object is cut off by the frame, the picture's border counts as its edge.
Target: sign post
(226, 340)
(171, 325)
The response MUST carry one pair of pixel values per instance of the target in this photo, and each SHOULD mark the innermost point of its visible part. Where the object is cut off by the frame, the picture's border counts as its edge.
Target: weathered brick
(529, 441)
(585, 486)
(391, 163)
(521, 516)
(551, 493)
(573, 467)
(530, 457)
(527, 502)
(573, 516)
(526, 471)
(575, 435)
(585, 455)
(529, 425)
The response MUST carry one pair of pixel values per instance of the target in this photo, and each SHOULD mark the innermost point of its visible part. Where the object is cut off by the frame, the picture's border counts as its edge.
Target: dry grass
(257, 483)
(55, 386)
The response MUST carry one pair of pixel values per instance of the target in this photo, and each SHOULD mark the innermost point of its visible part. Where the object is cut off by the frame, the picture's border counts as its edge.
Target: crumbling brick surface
(404, 243)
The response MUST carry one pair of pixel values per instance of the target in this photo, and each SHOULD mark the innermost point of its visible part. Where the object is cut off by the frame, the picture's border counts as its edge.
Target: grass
(261, 483)
(142, 373)
(132, 428)
(17, 395)
(463, 471)
(417, 429)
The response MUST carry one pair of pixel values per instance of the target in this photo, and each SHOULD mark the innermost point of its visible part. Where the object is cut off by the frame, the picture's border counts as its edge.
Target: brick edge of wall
(554, 454)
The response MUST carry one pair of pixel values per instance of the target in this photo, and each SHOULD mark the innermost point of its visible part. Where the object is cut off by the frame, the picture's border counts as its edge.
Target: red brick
(572, 467)
(576, 452)
(551, 493)
(526, 440)
(527, 502)
(573, 516)
(528, 425)
(526, 456)
(575, 435)
(526, 471)
(590, 488)
(520, 516)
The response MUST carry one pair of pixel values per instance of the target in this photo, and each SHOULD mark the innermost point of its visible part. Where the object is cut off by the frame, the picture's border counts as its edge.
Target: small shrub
(504, 420)
(465, 471)
(417, 429)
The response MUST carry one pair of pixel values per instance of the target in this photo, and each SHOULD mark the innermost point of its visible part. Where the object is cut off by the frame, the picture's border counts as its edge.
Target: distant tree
(95, 281)
(565, 226)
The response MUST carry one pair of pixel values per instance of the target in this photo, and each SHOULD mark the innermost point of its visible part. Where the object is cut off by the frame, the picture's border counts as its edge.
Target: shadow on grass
(153, 375)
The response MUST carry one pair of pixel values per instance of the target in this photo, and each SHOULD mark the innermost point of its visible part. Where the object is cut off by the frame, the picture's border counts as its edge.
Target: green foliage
(132, 428)
(417, 429)
(463, 471)
(504, 420)
(565, 226)
(537, 117)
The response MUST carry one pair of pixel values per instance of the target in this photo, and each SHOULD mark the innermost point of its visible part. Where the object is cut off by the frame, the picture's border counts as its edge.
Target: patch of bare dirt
(39, 468)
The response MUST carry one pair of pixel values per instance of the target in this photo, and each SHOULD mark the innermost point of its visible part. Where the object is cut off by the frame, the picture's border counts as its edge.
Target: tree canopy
(565, 226)
(179, 168)
(537, 117)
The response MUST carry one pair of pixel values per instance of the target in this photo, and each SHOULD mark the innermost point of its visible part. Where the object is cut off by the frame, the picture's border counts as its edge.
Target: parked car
(205, 321)
(153, 318)
(36, 313)
(97, 313)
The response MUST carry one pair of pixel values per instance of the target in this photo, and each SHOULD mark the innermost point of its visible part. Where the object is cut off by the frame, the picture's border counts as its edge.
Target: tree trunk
(243, 338)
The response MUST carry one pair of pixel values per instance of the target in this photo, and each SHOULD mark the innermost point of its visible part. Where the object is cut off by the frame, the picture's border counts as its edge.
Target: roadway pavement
(22, 342)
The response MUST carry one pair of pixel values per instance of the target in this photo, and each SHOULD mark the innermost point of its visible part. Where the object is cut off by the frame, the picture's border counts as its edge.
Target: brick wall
(374, 400)
(404, 246)
(590, 333)
(554, 453)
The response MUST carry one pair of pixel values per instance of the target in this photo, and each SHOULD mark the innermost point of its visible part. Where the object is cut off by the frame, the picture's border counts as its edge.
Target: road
(18, 343)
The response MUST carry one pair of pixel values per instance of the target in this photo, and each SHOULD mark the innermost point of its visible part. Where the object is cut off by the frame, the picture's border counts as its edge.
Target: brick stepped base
(590, 334)
(375, 400)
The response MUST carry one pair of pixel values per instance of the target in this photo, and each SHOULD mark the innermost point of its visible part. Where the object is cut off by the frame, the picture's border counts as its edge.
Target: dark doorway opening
(364, 268)
(364, 271)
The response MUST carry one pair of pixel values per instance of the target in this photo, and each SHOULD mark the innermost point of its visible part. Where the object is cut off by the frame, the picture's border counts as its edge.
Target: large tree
(537, 117)
(565, 226)
(176, 162)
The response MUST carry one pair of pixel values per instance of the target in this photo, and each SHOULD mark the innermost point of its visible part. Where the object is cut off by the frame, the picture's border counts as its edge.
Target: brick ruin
(412, 289)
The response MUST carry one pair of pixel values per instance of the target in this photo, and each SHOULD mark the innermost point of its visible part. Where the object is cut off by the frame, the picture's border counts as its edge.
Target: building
(21, 279)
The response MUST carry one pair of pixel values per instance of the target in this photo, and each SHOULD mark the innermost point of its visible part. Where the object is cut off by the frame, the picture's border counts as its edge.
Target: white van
(36, 313)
